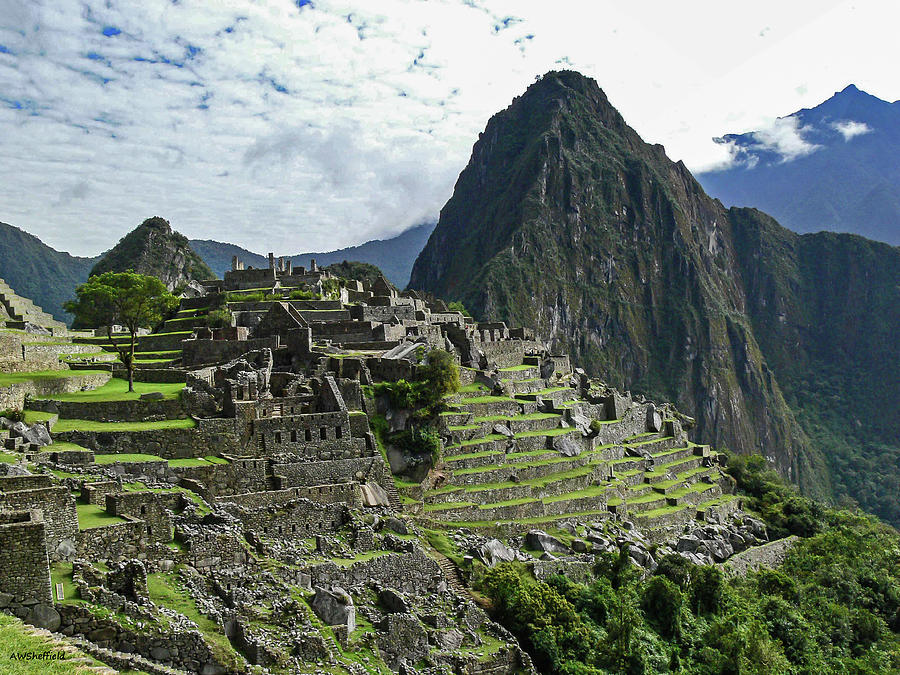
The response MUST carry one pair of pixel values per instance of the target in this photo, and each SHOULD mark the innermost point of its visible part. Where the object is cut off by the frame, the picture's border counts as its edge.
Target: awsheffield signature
(47, 655)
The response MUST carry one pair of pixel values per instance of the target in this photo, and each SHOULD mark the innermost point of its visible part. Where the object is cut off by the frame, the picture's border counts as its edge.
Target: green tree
(440, 376)
(126, 298)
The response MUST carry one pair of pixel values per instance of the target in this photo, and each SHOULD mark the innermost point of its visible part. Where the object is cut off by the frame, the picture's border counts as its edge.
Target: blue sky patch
(110, 31)
(4, 50)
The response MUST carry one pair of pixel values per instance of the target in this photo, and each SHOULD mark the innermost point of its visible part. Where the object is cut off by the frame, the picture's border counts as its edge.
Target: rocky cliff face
(566, 220)
(154, 248)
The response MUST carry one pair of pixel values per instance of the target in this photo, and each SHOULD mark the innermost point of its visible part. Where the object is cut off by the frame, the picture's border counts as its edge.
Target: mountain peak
(154, 248)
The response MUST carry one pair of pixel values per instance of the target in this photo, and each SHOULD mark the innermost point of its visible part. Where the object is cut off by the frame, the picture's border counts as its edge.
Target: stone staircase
(22, 310)
(123, 661)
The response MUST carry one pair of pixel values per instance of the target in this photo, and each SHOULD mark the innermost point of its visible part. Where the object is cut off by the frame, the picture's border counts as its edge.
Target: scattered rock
(538, 540)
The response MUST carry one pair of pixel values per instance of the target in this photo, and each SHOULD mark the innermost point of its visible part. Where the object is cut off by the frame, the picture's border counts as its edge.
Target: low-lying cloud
(851, 129)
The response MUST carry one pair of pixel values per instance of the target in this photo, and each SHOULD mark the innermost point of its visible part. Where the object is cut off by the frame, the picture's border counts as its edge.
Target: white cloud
(782, 137)
(850, 129)
(290, 128)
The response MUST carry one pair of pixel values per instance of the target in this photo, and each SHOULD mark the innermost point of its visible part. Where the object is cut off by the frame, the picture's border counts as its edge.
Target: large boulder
(44, 616)
(567, 446)
(494, 551)
(538, 540)
(654, 418)
(36, 434)
(335, 607)
(374, 495)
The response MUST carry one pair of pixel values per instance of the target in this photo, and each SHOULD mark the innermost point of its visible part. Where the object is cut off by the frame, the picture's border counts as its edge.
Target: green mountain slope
(565, 219)
(38, 272)
(154, 248)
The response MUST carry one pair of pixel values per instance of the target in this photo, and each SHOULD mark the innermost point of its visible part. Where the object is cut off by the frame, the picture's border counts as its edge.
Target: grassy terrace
(7, 379)
(525, 417)
(93, 515)
(125, 457)
(515, 369)
(90, 425)
(487, 399)
(19, 638)
(544, 392)
(165, 589)
(117, 390)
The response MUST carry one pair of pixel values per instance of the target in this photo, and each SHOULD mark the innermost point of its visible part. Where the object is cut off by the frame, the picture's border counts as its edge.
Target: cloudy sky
(294, 125)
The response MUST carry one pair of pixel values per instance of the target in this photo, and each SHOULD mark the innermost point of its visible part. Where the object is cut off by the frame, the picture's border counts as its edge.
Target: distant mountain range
(394, 256)
(833, 167)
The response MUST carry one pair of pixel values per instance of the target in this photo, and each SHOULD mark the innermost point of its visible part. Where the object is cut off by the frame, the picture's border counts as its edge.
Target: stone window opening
(309, 434)
(337, 432)
(323, 433)
(143, 509)
(277, 437)
(149, 530)
(293, 436)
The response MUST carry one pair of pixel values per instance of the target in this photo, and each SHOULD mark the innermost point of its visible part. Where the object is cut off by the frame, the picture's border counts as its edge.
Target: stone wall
(412, 572)
(184, 648)
(57, 506)
(16, 483)
(208, 437)
(112, 411)
(24, 567)
(296, 519)
(336, 471)
(111, 542)
(13, 395)
(150, 507)
(198, 352)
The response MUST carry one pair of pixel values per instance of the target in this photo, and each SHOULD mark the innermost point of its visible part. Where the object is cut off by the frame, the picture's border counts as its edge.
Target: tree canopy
(122, 298)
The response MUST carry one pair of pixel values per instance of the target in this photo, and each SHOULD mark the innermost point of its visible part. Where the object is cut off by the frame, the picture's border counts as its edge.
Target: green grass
(548, 390)
(17, 638)
(166, 590)
(33, 416)
(93, 515)
(197, 461)
(91, 425)
(487, 399)
(125, 457)
(60, 446)
(117, 390)
(472, 388)
(514, 369)
(525, 417)
(7, 379)
(562, 431)
(6, 458)
(61, 573)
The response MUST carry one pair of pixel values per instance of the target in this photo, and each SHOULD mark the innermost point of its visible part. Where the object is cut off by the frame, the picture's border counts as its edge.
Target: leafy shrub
(13, 414)
(457, 306)
(421, 441)
(303, 294)
(219, 318)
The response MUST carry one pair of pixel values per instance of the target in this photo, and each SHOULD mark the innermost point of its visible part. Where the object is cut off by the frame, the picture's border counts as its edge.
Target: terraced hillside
(535, 453)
